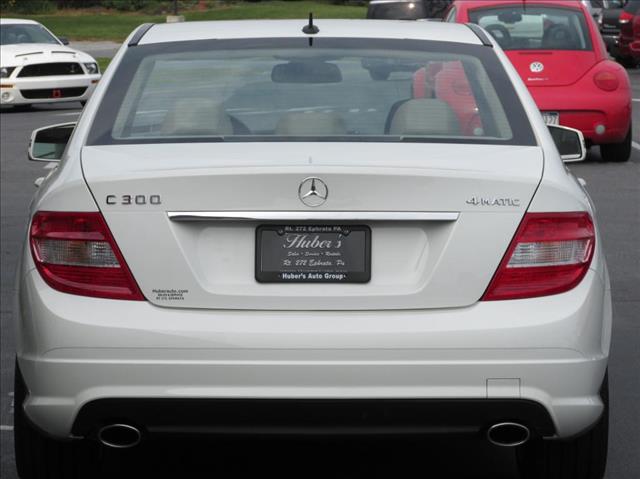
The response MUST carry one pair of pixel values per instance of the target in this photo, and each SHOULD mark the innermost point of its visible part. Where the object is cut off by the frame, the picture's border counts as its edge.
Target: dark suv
(609, 23)
(406, 9)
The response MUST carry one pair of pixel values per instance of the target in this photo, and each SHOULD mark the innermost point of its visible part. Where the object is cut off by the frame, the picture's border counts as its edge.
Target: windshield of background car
(632, 6)
(535, 28)
(397, 11)
(25, 33)
(288, 90)
(611, 3)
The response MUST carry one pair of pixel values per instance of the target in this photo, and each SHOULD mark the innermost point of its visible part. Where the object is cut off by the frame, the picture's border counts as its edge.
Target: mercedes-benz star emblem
(313, 192)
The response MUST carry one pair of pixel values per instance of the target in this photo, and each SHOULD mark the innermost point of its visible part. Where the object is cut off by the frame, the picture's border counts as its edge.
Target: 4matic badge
(481, 201)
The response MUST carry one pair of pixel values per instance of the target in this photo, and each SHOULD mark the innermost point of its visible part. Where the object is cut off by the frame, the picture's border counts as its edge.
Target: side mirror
(570, 143)
(48, 143)
(64, 40)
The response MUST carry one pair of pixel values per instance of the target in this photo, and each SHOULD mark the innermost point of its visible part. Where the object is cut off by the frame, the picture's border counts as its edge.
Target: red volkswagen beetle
(556, 47)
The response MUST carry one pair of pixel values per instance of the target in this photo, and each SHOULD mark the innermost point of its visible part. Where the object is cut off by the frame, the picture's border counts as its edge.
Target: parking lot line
(4, 427)
(635, 145)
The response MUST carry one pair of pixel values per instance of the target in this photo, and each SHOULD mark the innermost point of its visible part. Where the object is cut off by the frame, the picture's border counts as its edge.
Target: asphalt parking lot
(615, 189)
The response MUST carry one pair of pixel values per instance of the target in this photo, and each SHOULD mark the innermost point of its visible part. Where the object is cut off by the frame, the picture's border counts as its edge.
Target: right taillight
(607, 81)
(75, 253)
(550, 254)
(625, 20)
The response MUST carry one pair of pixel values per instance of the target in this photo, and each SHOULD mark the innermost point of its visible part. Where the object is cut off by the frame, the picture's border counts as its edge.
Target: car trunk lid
(151, 195)
(539, 68)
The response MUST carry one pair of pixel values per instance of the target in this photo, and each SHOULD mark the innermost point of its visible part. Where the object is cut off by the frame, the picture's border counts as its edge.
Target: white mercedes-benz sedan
(38, 67)
(251, 232)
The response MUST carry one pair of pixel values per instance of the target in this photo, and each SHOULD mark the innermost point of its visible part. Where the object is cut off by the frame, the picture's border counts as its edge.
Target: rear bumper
(20, 91)
(587, 109)
(329, 417)
(611, 42)
(82, 355)
(624, 46)
(634, 48)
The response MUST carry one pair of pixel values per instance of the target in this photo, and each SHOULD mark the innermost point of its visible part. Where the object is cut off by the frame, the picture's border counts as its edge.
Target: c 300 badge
(139, 200)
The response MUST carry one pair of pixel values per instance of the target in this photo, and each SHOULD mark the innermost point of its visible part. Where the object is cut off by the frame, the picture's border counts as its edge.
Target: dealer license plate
(313, 254)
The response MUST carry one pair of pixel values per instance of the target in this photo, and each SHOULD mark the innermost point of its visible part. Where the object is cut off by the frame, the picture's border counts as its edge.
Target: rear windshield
(535, 28)
(287, 90)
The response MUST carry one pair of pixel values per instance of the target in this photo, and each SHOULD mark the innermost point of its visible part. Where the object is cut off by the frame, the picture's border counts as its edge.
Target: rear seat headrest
(197, 117)
(311, 124)
(425, 117)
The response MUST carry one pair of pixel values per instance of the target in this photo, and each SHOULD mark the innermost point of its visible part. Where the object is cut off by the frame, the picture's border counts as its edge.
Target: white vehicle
(38, 67)
(248, 233)
(594, 7)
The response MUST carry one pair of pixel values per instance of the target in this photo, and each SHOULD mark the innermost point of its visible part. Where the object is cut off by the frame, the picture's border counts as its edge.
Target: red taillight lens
(550, 254)
(625, 17)
(625, 22)
(75, 253)
(606, 81)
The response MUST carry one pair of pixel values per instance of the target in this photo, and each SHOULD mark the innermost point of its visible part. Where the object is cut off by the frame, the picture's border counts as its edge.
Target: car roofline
(18, 21)
(482, 35)
(486, 4)
(254, 29)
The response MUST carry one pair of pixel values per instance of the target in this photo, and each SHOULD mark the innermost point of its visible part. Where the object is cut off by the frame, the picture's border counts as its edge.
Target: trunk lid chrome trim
(312, 216)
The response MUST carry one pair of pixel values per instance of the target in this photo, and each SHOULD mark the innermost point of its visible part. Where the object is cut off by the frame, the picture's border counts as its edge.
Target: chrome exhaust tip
(119, 436)
(508, 434)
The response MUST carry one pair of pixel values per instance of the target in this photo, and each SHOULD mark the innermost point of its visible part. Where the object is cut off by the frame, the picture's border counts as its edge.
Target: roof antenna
(310, 28)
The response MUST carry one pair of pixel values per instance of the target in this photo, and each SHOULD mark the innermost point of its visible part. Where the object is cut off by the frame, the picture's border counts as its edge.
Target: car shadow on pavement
(311, 458)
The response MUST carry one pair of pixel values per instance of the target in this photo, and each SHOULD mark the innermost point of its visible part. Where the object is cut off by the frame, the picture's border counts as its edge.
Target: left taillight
(75, 253)
(550, 254)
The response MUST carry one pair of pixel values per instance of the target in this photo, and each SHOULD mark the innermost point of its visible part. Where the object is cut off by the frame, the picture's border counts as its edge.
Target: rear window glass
(319, 93)
(535, 28)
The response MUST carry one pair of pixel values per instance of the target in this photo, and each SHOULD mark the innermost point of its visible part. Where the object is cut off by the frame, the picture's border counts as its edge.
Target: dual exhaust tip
(125, 436)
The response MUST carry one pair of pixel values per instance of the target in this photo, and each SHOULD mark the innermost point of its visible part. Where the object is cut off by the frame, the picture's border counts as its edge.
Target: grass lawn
(79, 25)
(103, 62)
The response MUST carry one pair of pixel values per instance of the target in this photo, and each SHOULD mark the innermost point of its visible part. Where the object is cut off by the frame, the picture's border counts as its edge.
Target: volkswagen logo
(313, 191)
(536, 67)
